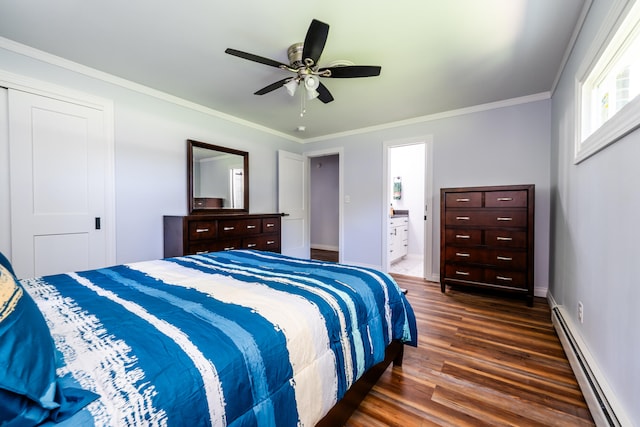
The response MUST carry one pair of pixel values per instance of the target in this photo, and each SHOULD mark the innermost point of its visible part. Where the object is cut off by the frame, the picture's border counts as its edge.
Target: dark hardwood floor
(482, 360)
(324, 255)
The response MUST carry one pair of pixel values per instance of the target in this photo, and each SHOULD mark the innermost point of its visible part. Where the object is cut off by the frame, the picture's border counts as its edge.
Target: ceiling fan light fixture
(311, 82)
(312, 94)
(291, 86)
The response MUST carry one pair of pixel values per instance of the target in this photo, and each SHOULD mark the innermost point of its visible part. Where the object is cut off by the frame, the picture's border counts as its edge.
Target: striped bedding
(239, 338)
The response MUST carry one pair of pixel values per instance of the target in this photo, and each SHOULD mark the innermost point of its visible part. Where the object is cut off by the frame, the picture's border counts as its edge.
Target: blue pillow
(29, 393)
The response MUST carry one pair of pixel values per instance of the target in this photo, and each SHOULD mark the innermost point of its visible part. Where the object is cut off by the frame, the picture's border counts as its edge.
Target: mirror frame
(245, 155)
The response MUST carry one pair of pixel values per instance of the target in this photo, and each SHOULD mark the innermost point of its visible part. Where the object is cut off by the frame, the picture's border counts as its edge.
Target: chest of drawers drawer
(202, 230)
(456, 236)
(203, 247)
(501, 258)
(239, 227)
(506, 238)
(486, 218)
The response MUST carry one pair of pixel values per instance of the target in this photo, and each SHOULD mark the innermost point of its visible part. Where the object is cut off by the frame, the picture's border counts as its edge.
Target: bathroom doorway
(409, 191)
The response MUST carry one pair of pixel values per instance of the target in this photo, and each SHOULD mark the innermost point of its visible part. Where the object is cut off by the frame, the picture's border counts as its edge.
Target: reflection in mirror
(218, 178)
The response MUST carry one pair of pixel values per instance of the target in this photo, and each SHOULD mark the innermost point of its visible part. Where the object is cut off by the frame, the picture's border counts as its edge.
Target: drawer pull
(201, 230)
(504, 239)
(228, 228)
(462, 273)
(201, 252)
(230, 248)
(504, 258)
(269, 225)
(506, 279)
(252, 245)
(463, 218)
(463, 254)
(505, 199)
(270, 242)
(504, 218)
(250, 226)
(462, 236)
(463, 200)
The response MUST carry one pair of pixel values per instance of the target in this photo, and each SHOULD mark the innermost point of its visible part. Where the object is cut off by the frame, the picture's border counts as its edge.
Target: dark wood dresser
(486, 238)
(196, 234)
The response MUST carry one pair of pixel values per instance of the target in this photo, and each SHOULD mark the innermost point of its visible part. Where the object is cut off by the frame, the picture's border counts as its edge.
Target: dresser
(196, 234)
(486, 238)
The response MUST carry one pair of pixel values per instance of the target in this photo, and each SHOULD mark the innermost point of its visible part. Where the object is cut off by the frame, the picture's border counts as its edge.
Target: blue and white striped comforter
(240, 338)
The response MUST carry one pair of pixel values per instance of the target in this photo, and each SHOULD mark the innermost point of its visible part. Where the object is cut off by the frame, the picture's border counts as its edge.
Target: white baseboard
(603, 405)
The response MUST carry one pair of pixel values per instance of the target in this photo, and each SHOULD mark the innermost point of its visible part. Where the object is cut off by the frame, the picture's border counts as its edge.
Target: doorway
(325, 207)
(408, 195)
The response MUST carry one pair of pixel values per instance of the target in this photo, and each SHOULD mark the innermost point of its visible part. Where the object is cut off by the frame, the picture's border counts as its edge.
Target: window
(609, 88)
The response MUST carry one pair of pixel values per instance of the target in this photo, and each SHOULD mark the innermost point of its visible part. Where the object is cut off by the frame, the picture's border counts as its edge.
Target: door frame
(50, 90)
(339, 151)
(428, 200)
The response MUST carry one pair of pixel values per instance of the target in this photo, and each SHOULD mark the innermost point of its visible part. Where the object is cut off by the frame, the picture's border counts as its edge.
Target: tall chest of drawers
(486, 238)
(196, 234)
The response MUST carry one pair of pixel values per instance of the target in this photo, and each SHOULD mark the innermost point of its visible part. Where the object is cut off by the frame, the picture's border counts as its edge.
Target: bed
(238, 338)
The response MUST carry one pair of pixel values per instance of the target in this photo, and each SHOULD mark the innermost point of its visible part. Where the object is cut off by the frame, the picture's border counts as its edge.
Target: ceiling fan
(303, 62)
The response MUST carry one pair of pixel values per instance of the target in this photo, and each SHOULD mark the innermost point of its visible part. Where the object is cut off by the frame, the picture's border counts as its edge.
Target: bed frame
(340, 413)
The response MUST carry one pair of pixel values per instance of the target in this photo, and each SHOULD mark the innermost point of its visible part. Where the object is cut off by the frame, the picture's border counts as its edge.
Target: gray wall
(595, 235)
(150, 156)
(509, 145)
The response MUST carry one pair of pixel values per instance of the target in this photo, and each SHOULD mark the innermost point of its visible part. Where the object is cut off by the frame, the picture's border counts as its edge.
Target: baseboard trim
(601, 401)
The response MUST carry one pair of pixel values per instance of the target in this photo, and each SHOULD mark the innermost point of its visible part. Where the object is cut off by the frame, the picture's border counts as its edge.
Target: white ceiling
(436, 55)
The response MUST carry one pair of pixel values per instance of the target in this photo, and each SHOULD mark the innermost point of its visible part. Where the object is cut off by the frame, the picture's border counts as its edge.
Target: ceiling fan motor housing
(295, 55)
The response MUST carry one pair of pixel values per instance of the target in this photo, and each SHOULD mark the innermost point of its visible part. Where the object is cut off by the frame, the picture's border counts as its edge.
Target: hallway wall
(324, 204)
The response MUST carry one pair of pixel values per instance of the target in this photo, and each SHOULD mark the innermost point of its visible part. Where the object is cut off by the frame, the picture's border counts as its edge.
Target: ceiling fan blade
(315, 40)
(255, 58)
(324, 94)
(350, 71)
(272, 86)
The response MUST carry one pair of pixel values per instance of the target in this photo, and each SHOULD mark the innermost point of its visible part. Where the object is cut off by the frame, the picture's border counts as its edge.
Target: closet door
(57, 154)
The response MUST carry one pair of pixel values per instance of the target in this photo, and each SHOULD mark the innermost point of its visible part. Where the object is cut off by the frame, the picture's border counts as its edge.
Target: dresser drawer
(271, 225)
(202, 230)
(239, 227)
(511, 260)
(214, 246)
(506, 238)
(463, 272)
(506, 199)
(463, 200)
(487, 218)
(512, 279)
(262, 243)
(454, 236)
(465, 255)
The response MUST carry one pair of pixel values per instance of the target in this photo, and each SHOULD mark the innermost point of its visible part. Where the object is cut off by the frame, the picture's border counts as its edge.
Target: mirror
(218, 179)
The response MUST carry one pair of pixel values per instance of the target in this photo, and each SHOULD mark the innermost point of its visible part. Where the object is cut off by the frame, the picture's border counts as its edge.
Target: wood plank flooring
(324, 255)
(482, 360)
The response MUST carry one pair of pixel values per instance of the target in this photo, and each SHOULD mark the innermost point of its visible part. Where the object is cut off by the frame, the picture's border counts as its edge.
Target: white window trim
(628, 118)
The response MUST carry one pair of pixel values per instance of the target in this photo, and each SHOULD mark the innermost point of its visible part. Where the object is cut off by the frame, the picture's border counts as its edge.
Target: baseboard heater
(599, 406)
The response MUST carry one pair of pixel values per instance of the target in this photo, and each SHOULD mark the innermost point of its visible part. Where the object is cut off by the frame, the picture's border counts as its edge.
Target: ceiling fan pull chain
(303, 105)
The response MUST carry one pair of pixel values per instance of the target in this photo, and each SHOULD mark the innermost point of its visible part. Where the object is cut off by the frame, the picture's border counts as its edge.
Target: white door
(292, 202)
(57, 157)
